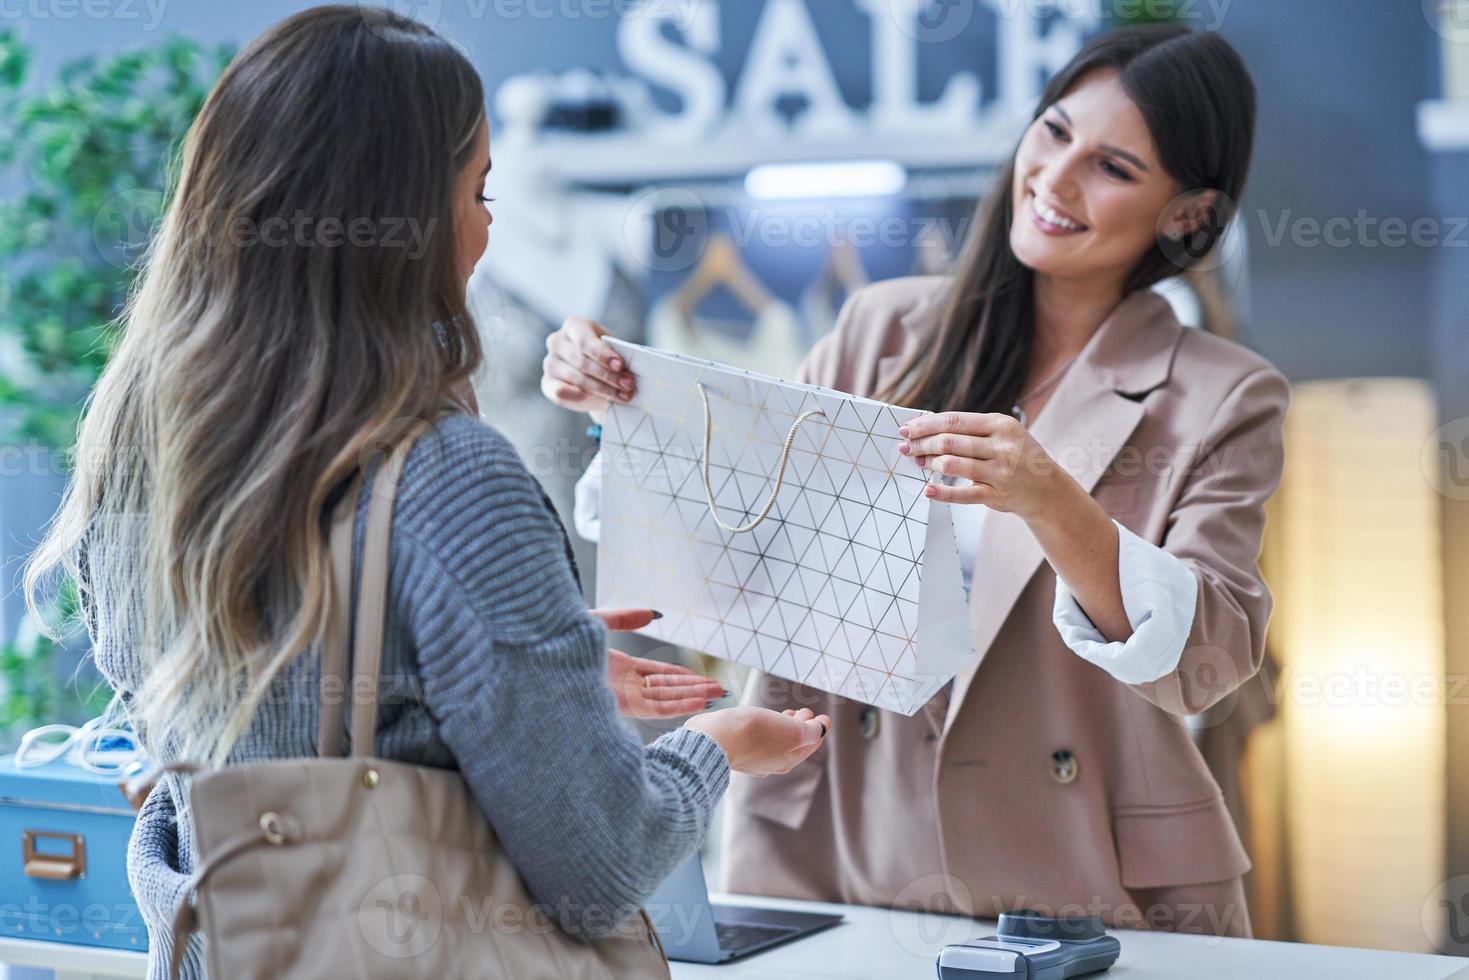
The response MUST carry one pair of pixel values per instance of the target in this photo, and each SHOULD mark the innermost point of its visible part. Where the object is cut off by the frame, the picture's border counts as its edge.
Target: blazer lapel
(1088, 419)
(917, 326)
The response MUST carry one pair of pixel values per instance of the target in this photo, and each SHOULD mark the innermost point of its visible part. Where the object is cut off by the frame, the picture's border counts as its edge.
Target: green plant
(84, 160)
(31, 688)
(89, 155)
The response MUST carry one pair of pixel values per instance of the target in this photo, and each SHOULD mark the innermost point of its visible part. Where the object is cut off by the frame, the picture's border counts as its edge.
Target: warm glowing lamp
(1359, 625)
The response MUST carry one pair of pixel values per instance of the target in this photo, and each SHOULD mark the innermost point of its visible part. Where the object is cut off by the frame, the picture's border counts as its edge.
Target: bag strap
(330, 735)
(780, 474)
(366, 641)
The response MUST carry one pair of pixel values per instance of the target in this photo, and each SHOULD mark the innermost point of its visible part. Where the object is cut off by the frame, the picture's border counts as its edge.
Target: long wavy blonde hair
(300, 295)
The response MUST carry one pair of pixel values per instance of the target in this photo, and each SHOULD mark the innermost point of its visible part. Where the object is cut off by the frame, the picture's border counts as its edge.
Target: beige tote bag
(357, 866)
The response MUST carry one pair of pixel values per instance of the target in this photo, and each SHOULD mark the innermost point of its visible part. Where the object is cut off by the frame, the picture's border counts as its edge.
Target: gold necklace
(1055, 376)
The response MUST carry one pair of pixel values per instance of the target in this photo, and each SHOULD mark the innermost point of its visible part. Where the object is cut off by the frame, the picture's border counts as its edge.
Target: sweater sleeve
(513, 669)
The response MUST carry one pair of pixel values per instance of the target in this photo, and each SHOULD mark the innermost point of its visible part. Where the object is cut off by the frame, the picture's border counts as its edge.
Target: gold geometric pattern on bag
(826, 590)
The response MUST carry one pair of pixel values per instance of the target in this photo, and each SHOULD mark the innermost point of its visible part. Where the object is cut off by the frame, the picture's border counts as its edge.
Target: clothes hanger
(931, 257)
(844, 266)
(721, 265)
(840, 276)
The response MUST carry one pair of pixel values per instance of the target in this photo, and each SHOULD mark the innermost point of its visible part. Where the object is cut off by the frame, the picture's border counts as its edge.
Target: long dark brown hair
(1198, 100)
(300, 296)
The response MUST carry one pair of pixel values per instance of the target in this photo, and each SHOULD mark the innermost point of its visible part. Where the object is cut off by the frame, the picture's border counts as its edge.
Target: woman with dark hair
(1107, 472)
(306, 293)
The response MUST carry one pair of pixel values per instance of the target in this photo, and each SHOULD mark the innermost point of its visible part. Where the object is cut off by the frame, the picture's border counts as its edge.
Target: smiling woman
(1128, 175)
(1056, 771)
(1105, 603)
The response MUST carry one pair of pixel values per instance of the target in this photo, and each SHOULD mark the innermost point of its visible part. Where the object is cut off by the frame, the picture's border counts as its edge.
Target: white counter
(877, 944)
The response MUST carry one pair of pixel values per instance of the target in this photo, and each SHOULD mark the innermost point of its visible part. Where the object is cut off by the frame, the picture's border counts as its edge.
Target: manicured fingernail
(726, 692)
(615, 364)
(708, 705)
(929, 491)
(823, 730)
(905, 448)
(903, 431)
(657, 614)
(625, 384)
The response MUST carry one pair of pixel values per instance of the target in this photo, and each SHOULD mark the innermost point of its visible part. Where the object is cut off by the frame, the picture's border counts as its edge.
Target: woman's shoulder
(877, 322)
(458, 439)
(461, 461)
(893, 300)
(1227, 365)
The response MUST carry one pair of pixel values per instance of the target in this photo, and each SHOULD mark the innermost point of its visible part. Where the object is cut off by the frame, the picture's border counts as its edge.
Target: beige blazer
(1041, 780)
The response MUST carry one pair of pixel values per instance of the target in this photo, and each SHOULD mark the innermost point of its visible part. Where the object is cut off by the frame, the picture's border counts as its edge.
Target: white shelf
(634, 160)
(1443, 126)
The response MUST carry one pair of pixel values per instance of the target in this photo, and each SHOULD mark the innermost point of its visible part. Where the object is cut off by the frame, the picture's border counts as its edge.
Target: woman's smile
(1052, 220)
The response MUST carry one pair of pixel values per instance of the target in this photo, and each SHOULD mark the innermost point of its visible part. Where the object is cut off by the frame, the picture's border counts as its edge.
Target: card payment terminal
(1034, 947)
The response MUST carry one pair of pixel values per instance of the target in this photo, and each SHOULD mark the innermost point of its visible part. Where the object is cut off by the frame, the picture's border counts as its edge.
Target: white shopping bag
(810, 552)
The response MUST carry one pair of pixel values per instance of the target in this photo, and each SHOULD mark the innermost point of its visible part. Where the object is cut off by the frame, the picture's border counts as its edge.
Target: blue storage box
(63, 857)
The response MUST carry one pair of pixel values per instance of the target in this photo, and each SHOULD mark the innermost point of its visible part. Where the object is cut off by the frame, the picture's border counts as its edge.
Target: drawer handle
(54, 867)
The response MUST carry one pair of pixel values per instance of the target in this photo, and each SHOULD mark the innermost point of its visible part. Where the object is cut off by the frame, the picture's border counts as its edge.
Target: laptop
(693, 930)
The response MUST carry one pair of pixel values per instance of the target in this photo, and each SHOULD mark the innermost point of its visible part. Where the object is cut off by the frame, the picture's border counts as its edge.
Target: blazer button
(1064, 766)
(868, 722)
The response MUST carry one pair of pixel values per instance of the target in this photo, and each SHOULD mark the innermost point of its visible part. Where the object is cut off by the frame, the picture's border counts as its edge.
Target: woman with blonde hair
(306, 291)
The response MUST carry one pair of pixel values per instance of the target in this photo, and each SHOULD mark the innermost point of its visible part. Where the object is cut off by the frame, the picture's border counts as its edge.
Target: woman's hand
(1010, 470)
(762, 742)
(651, 688)
(581, 371)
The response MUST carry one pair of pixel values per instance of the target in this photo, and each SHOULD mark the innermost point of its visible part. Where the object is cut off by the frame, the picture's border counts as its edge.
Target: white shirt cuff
(1159, 594)
(586, 514)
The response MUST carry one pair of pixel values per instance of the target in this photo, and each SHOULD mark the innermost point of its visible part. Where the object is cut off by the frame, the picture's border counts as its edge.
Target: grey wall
(1338, 82)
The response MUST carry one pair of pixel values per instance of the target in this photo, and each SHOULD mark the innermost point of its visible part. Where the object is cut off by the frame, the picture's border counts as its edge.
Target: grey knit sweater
(492, 665)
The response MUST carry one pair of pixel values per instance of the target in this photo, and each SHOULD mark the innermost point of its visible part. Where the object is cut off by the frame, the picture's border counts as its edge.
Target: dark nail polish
(657, 614)
(708, 705)
(823, 731)
(725, 692)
